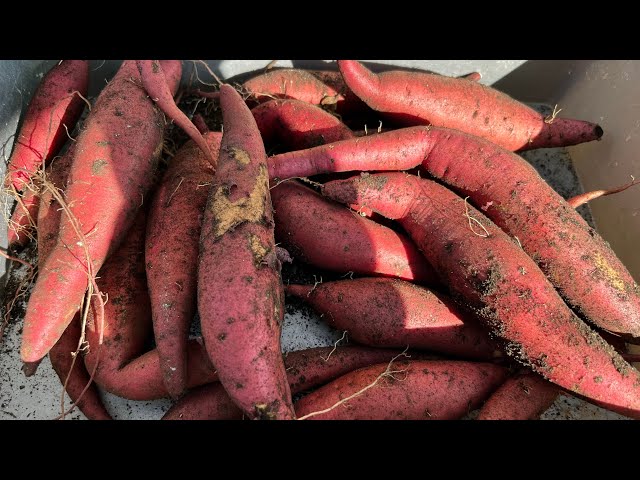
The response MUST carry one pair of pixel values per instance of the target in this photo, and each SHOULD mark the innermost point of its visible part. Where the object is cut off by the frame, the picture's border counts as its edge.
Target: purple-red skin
(240, 296)
(394, 150)
(156, 86)
(420, 98)
(306, 369)
(23, 220)
(171, 251)
(385, 312)
(490, 273)
(113, 168)
(416, 390)
(296, 125)
(523, 397)
(54, 105)
(327, 235)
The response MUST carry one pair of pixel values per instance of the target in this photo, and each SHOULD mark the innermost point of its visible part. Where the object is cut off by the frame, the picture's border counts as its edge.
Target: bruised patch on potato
(228, 214)
(609, 273)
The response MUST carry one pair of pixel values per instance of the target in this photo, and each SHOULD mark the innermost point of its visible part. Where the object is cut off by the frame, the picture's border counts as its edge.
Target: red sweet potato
(306, 369)
(171, 251)
(383, 312)
(410, 390)
(240, 296)
(156, 86)
(395, 150)
(420, 98)
(487, 270)
(523, 397)
(23, 220)
(295, 125)
(115, 158)
(327, 235)
(577, 261)
(78, 376)
(54, 106)
(122, 366)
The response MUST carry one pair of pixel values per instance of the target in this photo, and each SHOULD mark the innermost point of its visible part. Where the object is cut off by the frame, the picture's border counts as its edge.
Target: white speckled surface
(38, 397)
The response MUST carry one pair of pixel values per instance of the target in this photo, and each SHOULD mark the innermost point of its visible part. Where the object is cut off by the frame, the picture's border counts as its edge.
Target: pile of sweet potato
(461, 278)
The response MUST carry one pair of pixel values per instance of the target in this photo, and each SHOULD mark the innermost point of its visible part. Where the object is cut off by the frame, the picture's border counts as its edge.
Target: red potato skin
(420, 98)
(575, 258)
(296, 125)
(122, 366)
(523, 397)
(171, 252)
(327, 235)
(395, 150)
(382, 312)
(43, 132)
(493, 276)
(156, 86)
(240, 296)
(306, 369)
(113, 169)
(23, 220)
(49, 215)
(61, 360)
(421, 390)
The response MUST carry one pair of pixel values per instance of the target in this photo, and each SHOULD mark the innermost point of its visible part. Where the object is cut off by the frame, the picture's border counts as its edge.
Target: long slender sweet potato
(306, 369)
(157, 87)
(171, 250)
(52, 114)
(419, 98)
(122, 366)
(523, 397)
(404, 390)
(295, 125)
(383, 312)
(575, 258)
(240, 296)
(113, 165)
(395, 150)
(489, 272)
(327, 235)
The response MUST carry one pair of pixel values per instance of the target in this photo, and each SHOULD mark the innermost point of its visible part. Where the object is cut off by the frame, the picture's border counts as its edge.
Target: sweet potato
(383, 312)
(404, 390)
(122, 366)
(115, 158)
(420, 98)
(395, 150)
(240, 296)
(156, 86)
(327, 235)
(306, 369)
(523, 397)
(575, 258)
(586, 197)
(487, 270)
(295, 125)
(171, 251)
(78, 377)
(52, 113)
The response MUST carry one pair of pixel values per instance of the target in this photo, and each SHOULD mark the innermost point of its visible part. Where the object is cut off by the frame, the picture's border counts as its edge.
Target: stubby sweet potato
(383, 312)
(327, 235)
(419, 98)
(410, 390)
(488, 271)
(240, 296)
(171, 251)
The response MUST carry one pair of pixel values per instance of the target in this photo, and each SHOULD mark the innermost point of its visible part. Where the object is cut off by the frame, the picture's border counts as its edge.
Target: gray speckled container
(39, 397)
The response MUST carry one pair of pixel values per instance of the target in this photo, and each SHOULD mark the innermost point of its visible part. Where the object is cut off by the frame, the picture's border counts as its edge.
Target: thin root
(475, 220)
(335, 346)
